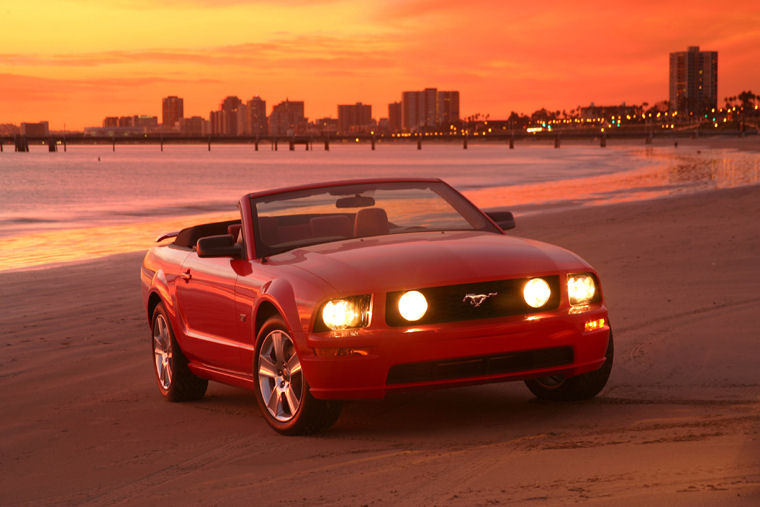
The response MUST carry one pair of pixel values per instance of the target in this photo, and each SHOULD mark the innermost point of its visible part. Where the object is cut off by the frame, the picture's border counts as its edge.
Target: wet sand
(83, 422)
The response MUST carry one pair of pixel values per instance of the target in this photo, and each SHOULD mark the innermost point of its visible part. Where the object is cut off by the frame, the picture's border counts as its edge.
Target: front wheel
(175, 380)
(281, 389)
(580, 387)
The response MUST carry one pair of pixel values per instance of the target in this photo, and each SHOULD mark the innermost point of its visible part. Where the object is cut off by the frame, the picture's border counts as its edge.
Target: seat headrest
(336, 225)
(371, 222)
(234, 231)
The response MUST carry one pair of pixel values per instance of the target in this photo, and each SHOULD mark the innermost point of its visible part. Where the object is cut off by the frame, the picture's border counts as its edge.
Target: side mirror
(503, 218)
(219, 246)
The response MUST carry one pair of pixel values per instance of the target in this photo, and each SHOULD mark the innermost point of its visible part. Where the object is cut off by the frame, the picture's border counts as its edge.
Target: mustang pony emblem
(477, 299)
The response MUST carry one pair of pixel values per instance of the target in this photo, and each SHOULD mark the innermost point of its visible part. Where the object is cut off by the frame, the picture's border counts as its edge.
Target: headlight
(581, 289)
(412, 305)
(346, 313)
(536, 292)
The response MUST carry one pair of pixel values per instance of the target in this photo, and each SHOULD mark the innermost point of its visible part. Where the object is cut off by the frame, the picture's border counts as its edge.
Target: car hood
(416, 260)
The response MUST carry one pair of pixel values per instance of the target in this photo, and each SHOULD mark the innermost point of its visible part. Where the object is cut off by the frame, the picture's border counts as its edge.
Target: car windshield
(298, 218)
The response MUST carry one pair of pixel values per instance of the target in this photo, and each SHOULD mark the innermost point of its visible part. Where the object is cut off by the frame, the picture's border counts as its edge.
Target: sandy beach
(679, 422)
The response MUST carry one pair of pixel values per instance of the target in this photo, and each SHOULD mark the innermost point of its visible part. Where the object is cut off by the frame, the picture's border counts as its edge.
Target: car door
(207, 306)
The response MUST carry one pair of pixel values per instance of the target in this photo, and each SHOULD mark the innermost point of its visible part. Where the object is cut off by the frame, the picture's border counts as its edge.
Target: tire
(282, 392)
(175, 380)
(580, 387)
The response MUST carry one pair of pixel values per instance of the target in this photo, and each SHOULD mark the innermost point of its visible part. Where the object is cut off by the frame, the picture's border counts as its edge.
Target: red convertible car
(329, 292)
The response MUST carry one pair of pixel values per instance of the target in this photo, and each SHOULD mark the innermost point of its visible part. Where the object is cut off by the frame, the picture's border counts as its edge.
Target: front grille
(479, 366)
(448, 304)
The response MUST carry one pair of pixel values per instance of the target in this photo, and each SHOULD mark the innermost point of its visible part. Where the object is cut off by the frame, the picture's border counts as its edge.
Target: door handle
(186, 276)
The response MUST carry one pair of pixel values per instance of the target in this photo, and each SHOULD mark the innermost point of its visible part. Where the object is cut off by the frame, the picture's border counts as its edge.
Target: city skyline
(500, 57)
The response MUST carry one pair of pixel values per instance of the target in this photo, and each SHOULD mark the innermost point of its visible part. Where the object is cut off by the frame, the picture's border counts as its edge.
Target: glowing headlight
(412, 305)
(346, 313)
(581, 289)
(537, 292)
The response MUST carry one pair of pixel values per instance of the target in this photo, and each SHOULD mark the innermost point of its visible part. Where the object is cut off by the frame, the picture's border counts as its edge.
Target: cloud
(314, 50)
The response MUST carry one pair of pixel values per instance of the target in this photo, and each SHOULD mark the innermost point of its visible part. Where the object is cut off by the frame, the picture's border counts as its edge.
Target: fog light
(412, 305)
(594, 325)
(537, 292)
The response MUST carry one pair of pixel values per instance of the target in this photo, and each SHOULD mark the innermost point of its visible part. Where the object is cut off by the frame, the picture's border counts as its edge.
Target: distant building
(448, 108)
(124, 126)
(326, 126)
(227, 121)
(394, 117)
(114, 131)
(693, 81)
(172, 110)
(287, 119)
(145, 121)
(593, 111)
(39, 129)
(354, 118)
(193, 126)
(428, 108)
(8, 129)
(257, 116)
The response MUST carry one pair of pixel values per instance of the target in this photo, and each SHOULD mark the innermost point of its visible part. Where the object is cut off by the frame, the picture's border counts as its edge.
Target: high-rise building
(448, 108)
(354, 118)
(428, 108)
(394, 116)
(287, 119)
(225, 121)
(172, 110)
(693, 81)
(257, 116)
(230, 107)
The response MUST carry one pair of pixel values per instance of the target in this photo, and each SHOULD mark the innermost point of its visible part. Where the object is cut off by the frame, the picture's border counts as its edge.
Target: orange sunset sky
(74, 62)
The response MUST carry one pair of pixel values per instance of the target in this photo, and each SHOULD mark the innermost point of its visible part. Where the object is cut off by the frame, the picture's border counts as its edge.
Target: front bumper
(370, 362)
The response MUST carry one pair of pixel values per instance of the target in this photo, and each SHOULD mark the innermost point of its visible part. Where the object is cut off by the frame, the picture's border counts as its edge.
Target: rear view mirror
(357, 201)
(503, 218)
(219, 246)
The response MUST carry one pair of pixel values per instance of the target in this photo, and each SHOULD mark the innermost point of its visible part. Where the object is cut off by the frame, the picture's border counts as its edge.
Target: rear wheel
(281, 389)
(580, 387)
(175, 380)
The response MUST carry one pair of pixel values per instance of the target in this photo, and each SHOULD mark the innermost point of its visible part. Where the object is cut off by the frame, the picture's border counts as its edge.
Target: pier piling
(64, 144)
(21, 144)
(464, 143)
(556, 141)
(52, 147)
(256, 144)
(209, 143)
(419, 143)
(162, 144)
(291, 145)
(113, 144)
(327, 144)
(372, 141)
(512, 142)
(603, 141)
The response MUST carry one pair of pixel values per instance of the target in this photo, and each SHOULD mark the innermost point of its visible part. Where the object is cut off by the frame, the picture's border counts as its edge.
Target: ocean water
(52, 205)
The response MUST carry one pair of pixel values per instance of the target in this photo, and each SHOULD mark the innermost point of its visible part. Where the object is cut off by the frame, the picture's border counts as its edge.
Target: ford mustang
(355, 289)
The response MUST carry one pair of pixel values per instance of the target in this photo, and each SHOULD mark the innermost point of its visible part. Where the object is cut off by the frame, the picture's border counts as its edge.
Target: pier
(511, 139)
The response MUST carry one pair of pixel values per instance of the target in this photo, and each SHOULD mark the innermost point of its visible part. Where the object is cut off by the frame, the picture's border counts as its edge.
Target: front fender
(280, 294)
